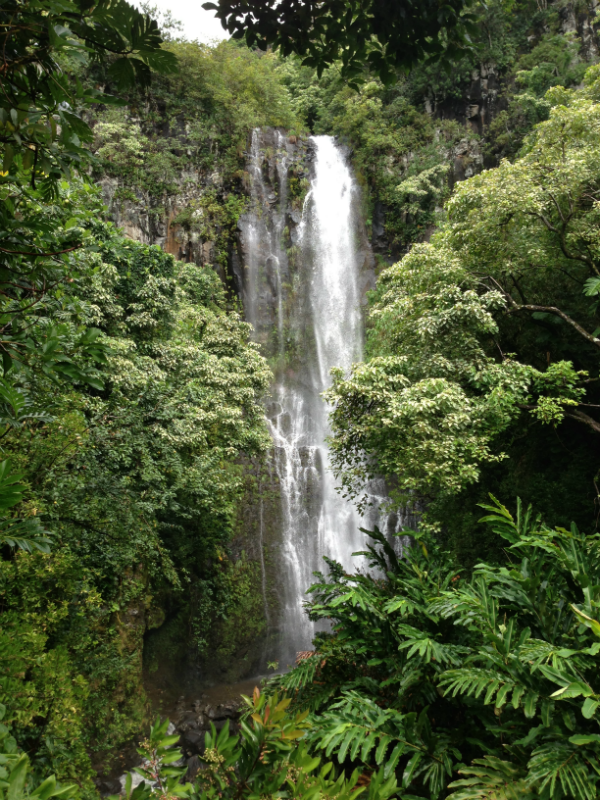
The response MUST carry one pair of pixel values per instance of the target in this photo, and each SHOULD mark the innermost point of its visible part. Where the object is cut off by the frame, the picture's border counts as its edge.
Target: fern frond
(476, 682)
(561, 766)
(419, 643)
(357, 727)
(490, 778)
(405, 605)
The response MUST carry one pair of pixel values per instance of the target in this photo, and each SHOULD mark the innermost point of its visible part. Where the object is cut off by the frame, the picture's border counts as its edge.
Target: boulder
(224, 711)
(188, 722)
(194, 766)
(193, 741)
(109, 786)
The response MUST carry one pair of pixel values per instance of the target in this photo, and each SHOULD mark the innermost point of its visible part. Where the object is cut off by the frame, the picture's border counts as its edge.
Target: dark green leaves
(25, 534)
(43, 133)
(426, 673)
(381, 35)
(11, 488)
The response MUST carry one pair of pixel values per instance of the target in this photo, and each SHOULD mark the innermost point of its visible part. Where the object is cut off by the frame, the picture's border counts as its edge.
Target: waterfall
(306, 270)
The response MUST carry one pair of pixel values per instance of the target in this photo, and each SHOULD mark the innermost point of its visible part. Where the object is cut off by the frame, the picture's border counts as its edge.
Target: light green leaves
(574, 689)
(454, 324)
(14, 785)
(591, 288)
(26, 534)
(586, 620)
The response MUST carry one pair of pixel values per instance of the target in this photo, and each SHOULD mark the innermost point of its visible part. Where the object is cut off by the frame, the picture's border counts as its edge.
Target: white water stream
(317, 520)
(324, 315)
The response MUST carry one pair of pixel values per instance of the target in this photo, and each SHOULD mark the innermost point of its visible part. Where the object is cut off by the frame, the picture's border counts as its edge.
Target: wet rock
(193, 741)
(109, 786)
(194, 766)
(136, 779)
(188, 722)
(224, 711)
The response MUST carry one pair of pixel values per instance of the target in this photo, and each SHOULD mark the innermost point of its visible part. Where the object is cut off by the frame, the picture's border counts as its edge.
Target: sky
(197, 23)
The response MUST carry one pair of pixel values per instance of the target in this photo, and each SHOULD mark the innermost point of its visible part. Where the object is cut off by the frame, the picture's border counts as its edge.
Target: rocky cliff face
(484, 97)
(266, 270)
(255, 247)
(151, 220)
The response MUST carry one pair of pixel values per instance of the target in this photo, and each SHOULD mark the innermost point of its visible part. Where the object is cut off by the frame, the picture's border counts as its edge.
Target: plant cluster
(375, 34)
(410, 128)
(129, 390)
(462, 687)
(177, 152)
(269, 758)
(430, 684)
(137, 481)
(488, 329)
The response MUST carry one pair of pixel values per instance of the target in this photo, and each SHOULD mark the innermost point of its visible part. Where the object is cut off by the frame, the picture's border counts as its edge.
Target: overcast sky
(197, 23)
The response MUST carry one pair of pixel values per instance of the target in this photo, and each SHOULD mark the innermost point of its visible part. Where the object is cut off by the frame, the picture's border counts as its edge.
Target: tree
(138, 479)
(43, 132)
(42, 99)
(493, 320)
(267, 759)
(384, 35)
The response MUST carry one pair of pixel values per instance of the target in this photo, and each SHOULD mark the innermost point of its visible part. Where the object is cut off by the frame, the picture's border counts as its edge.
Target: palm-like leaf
(492, 779)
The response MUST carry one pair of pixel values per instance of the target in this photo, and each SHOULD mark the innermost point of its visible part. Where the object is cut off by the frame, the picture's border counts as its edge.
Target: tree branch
(585, 418)
(549, 310)
(553, 310)
(40, 255)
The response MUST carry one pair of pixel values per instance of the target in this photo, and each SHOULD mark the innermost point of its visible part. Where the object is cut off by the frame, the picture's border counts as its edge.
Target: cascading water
(317, 521)
(304, 301)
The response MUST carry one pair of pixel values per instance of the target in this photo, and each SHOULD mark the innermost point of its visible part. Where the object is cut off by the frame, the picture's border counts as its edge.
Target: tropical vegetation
(460, 661)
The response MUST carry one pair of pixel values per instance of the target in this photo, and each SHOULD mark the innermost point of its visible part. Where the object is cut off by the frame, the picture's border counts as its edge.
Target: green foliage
(393, 142)
(415, 124)
(484, 324)
(554, 61)
(16, 777)
(227, 613)
(426, 672)
(43, 135)
(371, 34)
(268, 758)
(136, 477)
(42, 690)
(164, 779)
(181, 142)
(221, 93)
(26, 534)
(41, 106)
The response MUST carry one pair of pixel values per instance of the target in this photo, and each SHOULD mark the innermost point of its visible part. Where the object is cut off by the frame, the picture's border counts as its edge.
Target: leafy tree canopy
(494, 318)
(43, 133)
(41, 101)
(384, 35)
